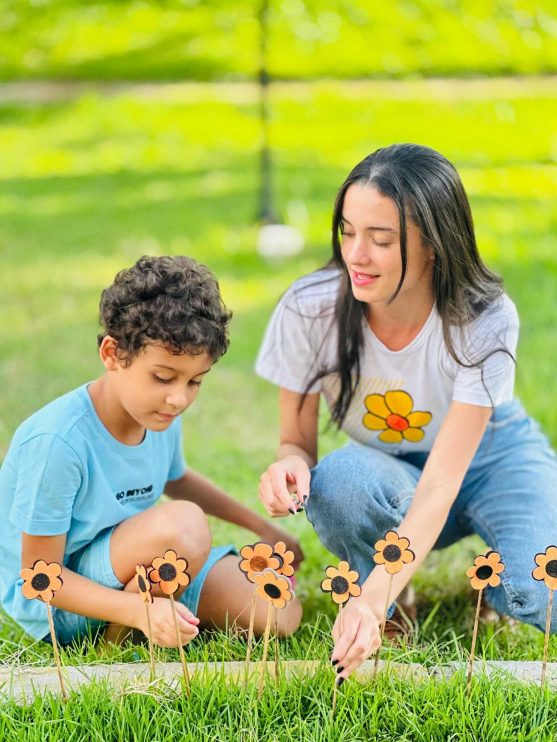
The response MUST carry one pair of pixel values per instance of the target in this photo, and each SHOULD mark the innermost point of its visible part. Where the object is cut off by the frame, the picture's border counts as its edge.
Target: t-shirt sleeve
(286, 356)
(492, 340)
(49, 475)
(177, 462)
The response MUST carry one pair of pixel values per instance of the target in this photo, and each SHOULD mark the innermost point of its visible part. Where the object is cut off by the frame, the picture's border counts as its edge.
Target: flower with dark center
(341, 582)
(169, 572)
(285, 559)
(547, 567)
(143, 583)
(393, 552)
(274, 588)
(42, 580)
(256, 558)
(486, 570)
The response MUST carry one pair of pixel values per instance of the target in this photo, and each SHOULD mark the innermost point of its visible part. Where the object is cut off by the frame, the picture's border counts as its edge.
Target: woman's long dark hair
(427, 189)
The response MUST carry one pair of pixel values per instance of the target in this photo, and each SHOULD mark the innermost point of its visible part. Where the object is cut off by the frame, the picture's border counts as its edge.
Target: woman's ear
(108, 353)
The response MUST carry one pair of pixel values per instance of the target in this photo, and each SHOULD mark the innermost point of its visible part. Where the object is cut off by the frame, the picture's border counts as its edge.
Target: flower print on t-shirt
(392, 414)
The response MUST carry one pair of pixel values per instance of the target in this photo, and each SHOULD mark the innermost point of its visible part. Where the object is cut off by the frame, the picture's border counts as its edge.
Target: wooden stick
(180, 647)
(376, 663)
(276, 646)
(250, 631)
(474, 637)
(546, 640)
(265, 649)
(150, 637)
(56, 653)
(335, 686)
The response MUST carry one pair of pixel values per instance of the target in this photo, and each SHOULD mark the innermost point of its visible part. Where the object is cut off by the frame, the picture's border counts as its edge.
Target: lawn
(214, 39)
(91, 183)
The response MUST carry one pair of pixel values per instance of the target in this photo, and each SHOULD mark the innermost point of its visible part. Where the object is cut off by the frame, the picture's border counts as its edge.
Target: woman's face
(371, 249)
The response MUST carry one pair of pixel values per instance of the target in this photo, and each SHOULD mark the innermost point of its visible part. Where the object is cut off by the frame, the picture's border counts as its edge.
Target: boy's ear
(108, 353)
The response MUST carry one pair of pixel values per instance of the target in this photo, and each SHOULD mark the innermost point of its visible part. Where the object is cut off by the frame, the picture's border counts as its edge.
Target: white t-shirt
(404, 395)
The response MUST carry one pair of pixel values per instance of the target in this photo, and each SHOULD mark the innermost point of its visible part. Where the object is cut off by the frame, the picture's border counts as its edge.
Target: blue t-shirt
(65, 473)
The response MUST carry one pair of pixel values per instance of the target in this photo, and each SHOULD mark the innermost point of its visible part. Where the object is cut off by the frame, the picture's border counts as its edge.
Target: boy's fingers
(185, 613)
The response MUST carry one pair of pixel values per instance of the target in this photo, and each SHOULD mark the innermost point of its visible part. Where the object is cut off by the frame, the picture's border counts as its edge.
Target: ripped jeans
(508, 497)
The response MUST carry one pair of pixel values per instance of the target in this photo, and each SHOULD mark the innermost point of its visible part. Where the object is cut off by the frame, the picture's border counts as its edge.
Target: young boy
(82, 474)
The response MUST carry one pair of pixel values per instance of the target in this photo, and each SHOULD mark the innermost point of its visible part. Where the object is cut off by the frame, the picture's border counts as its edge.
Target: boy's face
(157, 385)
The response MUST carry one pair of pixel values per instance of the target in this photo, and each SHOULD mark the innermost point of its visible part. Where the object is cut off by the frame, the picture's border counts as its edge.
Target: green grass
(90, 184)
(291, 711)
(194, 40)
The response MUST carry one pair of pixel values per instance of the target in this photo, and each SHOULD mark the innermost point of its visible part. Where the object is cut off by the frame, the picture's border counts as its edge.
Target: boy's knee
(183, 526)
(289, 619)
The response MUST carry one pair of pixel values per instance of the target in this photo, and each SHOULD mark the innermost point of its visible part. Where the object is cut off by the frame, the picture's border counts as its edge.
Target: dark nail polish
(340, 668)
(299, 510)
(340, 681)
(305, 498)
(292, 511)
(334, 662)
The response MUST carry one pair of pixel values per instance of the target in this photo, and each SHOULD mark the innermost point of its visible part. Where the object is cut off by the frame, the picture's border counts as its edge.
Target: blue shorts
(93, 561)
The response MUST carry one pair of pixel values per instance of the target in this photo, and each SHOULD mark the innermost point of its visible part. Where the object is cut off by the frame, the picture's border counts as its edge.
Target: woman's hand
(271, 534)
(282, 479)
(163, 631)
(358, 639)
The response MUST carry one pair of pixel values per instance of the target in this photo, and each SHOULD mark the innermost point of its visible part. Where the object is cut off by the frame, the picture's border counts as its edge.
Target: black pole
(266, 213)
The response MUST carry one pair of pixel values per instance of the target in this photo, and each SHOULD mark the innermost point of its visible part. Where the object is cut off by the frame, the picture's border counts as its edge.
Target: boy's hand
(271, 534)
(162, 623)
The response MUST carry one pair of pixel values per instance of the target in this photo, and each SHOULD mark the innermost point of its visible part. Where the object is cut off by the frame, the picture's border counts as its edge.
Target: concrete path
(24, 682)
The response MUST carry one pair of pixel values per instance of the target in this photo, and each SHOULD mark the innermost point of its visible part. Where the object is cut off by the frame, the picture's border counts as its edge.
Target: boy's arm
(215, 501)
(87, 598)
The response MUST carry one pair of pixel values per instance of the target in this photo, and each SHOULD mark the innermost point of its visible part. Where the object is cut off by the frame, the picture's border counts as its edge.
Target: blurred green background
(96, 174)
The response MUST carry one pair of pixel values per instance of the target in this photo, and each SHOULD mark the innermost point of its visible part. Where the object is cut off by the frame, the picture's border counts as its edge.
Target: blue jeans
(508, 497)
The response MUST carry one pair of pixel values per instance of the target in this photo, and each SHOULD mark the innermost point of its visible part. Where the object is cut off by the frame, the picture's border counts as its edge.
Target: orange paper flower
(273, 587)
(256, 558)
(285, 558)
(547, 567)
(170, 572)
(41, 581)
(393, 552)
(143, 583)
(486, 571)
(341, 583)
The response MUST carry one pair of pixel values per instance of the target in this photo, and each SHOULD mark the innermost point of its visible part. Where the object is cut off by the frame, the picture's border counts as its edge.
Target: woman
(411, 340)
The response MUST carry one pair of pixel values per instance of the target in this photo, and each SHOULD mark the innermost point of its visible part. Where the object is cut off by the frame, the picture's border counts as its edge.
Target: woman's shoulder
(500, 314)
(315, 292)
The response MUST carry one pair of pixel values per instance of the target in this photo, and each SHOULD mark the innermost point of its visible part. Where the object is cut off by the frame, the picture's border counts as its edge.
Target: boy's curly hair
(171, 300)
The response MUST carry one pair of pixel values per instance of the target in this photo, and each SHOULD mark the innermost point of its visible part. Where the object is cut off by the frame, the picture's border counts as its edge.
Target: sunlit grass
(88, 185)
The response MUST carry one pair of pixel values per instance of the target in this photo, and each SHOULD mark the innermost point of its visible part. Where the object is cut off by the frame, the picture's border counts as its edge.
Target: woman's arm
(297, 452)
(450, 457)
(87, 598)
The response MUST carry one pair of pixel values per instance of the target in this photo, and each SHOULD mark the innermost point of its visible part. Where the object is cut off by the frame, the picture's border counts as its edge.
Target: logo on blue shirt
(135, 495)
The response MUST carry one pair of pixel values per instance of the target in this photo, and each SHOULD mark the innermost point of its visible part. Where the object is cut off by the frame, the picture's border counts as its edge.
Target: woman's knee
(530, 607)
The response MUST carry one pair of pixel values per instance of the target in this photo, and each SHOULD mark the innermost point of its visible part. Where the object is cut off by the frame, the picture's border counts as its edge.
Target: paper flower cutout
(41, 581)
(341, 583)
(143, 583)
(169, 572)
(285, 558)
(393, 552)
(486, 570)
(392, 414)
(275, 588)
(256, 558)
(547, 567)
